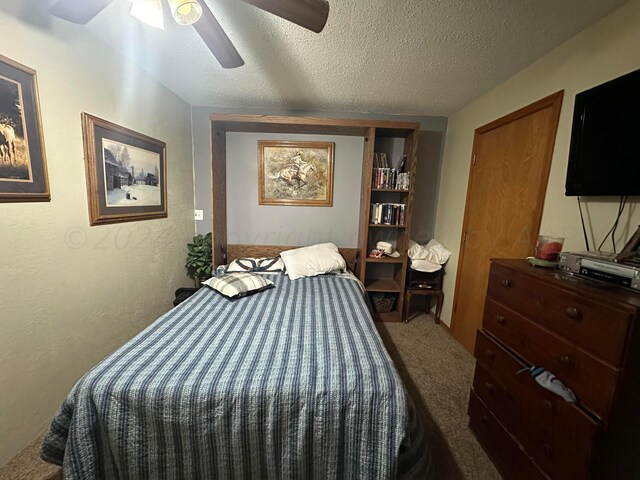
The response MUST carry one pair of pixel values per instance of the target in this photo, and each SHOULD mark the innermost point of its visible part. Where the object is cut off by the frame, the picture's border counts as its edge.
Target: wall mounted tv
(604, 156)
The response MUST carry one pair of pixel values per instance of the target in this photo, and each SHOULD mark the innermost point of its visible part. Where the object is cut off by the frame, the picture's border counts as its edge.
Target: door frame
(553, 101)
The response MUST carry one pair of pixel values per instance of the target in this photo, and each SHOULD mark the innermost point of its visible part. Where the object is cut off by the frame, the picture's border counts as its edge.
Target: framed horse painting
(295, 173)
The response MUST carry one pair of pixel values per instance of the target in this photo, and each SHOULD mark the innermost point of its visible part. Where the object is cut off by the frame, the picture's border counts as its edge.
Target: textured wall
(248, 222)
(70, 293)
(602, 52)
(425, 195)
(429, 163)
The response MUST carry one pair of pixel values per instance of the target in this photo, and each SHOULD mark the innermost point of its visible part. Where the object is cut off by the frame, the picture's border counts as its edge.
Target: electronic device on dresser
(601, 268)
(589, 338)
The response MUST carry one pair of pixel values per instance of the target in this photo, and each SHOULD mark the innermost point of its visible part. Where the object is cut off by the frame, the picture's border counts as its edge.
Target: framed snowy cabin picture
(126, 173)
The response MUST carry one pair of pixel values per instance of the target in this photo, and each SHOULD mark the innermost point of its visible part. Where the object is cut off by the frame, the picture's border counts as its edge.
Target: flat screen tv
(604, 156)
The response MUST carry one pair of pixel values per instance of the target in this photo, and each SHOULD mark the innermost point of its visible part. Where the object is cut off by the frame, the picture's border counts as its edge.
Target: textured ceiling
(423, 57)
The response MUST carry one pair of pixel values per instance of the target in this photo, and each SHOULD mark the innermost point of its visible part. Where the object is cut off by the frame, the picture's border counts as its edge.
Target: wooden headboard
(243, 251)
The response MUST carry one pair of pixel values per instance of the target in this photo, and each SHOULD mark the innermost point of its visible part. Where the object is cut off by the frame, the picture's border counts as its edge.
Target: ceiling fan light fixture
(149, 12)
(185, 12)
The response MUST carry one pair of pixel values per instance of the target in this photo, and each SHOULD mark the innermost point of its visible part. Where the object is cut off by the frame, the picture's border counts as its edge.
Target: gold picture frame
(23, 164)
(126, 173)
(295, 173)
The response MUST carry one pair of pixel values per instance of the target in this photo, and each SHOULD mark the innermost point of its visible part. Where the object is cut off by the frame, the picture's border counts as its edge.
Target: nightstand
(425, 284)
(182, 294)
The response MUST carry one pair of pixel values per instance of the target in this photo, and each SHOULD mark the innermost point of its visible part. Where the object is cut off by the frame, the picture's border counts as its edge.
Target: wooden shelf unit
(385, 225)
(389, 190)
(383, 285)
(384, 260)
(386, 275)
(371, 130)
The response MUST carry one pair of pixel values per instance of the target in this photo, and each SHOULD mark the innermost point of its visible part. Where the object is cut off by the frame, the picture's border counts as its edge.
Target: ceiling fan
(310, 14)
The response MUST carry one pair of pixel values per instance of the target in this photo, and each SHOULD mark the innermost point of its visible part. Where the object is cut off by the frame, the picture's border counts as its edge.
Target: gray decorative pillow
(236, 285)
(257, 265)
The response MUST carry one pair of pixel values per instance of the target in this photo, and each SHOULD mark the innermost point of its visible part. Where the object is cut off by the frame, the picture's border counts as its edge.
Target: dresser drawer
(564, 423)
(509, 458)
(593, 382)
(552, 453)
(598, 327)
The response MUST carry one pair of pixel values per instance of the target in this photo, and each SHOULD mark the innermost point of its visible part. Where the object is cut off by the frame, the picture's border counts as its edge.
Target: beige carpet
(27, 465)
(438, 373)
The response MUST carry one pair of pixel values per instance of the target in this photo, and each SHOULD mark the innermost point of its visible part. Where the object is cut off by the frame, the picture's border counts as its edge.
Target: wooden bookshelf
(384, 260)
(383, 285)
(390, 190)
(384, 225)
(386, 275)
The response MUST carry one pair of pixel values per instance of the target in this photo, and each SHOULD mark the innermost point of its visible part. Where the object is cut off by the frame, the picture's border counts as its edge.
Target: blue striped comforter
(293, 382)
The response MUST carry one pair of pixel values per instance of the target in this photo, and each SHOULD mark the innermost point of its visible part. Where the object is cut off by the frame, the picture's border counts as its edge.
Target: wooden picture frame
(295, 173)
(126, 173)
(23, 165)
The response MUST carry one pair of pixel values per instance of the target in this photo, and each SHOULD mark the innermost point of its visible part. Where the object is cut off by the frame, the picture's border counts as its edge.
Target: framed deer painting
(295, 173)
(23, 166)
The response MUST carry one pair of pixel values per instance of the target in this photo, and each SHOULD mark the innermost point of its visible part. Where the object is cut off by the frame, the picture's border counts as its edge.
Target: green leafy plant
(199, 258)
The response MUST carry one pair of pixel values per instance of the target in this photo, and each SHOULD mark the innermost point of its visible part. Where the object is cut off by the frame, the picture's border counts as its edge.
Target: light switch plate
(198, 215)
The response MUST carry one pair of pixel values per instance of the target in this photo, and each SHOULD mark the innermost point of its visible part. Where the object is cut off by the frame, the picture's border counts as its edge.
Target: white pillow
(256, 265)
(235, 285)
(433, 251)
(425, 266)
(313, 260)
(415, 251)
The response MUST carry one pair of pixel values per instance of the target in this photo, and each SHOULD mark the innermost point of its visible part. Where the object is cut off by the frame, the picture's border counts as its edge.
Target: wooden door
(507, 184)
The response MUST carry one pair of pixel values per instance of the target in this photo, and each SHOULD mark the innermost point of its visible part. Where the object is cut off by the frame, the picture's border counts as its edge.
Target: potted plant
(199, 258)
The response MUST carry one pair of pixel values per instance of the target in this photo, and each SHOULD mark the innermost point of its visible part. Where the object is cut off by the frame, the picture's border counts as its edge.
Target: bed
(292, 382)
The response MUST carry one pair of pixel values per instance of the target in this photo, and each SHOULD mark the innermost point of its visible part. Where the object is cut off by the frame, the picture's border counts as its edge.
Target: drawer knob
(488, 386)
(574, 313)
(500, 319)
(485, 418)
(565, 359)
(548, 406)
(505, 283)
(490, 354)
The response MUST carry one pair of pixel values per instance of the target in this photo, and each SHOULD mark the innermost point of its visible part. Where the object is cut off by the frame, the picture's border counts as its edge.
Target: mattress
(292, 382)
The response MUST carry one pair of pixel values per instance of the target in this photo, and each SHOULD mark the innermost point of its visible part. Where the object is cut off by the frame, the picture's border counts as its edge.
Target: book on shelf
(387, 214)
(390, 179)
(380, 160)
(401, 163)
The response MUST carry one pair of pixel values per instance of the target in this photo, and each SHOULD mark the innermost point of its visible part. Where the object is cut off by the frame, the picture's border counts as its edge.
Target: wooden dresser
(587, 335)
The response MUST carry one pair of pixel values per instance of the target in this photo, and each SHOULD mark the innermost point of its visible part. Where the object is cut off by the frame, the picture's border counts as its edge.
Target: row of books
(381, 160)
(387, 213)
(390, 178)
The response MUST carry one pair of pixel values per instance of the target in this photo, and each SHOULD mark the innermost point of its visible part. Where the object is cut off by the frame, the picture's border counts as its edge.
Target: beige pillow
(313, 260)
(235, 285)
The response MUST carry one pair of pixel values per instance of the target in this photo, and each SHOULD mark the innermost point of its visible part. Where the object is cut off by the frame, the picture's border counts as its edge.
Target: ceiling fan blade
(78, 11)
(213, 35)
(310, 14)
